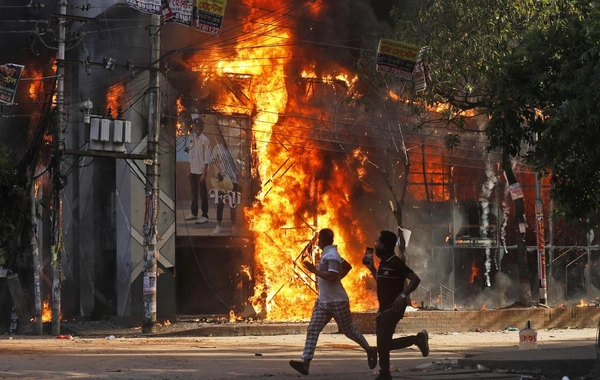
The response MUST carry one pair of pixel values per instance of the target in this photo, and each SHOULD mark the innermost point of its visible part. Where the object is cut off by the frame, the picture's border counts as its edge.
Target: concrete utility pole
(58, 150)
(152, 177)
(37, 264)
(541, 244)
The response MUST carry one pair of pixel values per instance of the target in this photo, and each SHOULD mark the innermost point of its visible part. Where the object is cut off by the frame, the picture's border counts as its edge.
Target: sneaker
(372, 357)
(217, 230)
(202, 220)
(384, 376)
(191, 217)
(423, 342)
(299, 366)
(234, 230)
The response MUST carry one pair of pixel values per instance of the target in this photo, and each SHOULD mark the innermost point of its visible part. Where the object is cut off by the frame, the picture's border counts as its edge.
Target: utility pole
(37, 263)
(152, 177)
(57, 183)
(541, 247)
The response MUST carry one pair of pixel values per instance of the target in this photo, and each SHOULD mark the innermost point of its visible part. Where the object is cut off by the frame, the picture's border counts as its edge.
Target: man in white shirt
(199, 160)
(332, 302)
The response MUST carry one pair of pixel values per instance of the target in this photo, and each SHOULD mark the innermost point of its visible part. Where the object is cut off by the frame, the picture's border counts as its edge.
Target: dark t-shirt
(391, 276)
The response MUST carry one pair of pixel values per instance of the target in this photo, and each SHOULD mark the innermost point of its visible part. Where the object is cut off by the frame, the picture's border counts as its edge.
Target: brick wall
(448, 321)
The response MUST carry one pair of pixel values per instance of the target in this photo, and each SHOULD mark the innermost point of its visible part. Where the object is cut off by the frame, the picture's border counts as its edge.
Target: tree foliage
(531, 67)
(464, 45)
(548, 86)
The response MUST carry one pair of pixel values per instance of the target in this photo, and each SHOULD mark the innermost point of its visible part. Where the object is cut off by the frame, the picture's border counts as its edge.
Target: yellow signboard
(397, 58)
(208, 15)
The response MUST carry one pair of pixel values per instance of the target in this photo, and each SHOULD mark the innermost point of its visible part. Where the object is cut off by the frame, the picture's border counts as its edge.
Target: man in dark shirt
(393, 298)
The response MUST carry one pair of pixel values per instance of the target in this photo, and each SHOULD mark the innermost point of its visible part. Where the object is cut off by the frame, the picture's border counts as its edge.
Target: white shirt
(199, 153)
(331, 291)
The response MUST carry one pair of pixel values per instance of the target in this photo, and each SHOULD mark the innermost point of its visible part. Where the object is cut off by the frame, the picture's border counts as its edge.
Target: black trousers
(199, 186)
(221, 205)
(385, 327)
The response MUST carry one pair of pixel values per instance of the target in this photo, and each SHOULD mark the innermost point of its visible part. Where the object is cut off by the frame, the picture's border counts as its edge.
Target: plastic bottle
(528, 338)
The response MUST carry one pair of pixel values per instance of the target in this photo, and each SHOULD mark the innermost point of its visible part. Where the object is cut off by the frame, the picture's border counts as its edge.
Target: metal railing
(420, 290)
(446, 298)
(567, 272)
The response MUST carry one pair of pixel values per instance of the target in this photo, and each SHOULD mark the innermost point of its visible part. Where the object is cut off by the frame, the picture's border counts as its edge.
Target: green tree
(549, 86)
(464, 44)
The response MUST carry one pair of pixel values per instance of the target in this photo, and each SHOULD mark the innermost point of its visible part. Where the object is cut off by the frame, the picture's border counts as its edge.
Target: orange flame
(114, 98)
(46, 311)
(474, 272)
(178, 126)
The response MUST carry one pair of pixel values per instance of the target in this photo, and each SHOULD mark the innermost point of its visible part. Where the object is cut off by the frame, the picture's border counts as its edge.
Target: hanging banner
(397, 58)
(10, 74)
(182, 11)
(516, 191)
(208, 15)
(419, 77)
(204, 15)
(155, 7)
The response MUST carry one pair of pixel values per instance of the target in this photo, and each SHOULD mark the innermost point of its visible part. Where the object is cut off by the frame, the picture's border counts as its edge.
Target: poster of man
(213, 154)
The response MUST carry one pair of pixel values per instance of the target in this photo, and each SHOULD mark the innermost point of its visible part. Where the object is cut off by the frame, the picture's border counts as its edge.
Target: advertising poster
(204, 15)
(516, 191)
(10, 74)
(208, 15)
(213, 205)
(397, 58)
(156, 7)
(150, 283)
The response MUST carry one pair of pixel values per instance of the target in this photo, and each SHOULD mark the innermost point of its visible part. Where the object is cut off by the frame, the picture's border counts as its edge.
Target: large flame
(303, 189)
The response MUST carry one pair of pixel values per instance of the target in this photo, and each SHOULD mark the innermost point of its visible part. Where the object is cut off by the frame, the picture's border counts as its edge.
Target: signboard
(10, 74)
(419, 77)
(155, 7)
(516, 191)
(226, 190)
(208, 15)
(182, 11)
(204, 15)
(397, 58)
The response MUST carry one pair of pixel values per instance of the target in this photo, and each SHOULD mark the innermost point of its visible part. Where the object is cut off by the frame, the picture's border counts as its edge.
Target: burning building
(307, 143)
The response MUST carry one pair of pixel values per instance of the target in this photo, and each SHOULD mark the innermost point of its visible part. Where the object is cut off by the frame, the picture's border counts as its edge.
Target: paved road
(267, 357)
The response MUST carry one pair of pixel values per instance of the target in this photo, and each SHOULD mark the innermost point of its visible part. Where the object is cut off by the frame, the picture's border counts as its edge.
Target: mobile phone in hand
(368, 257)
